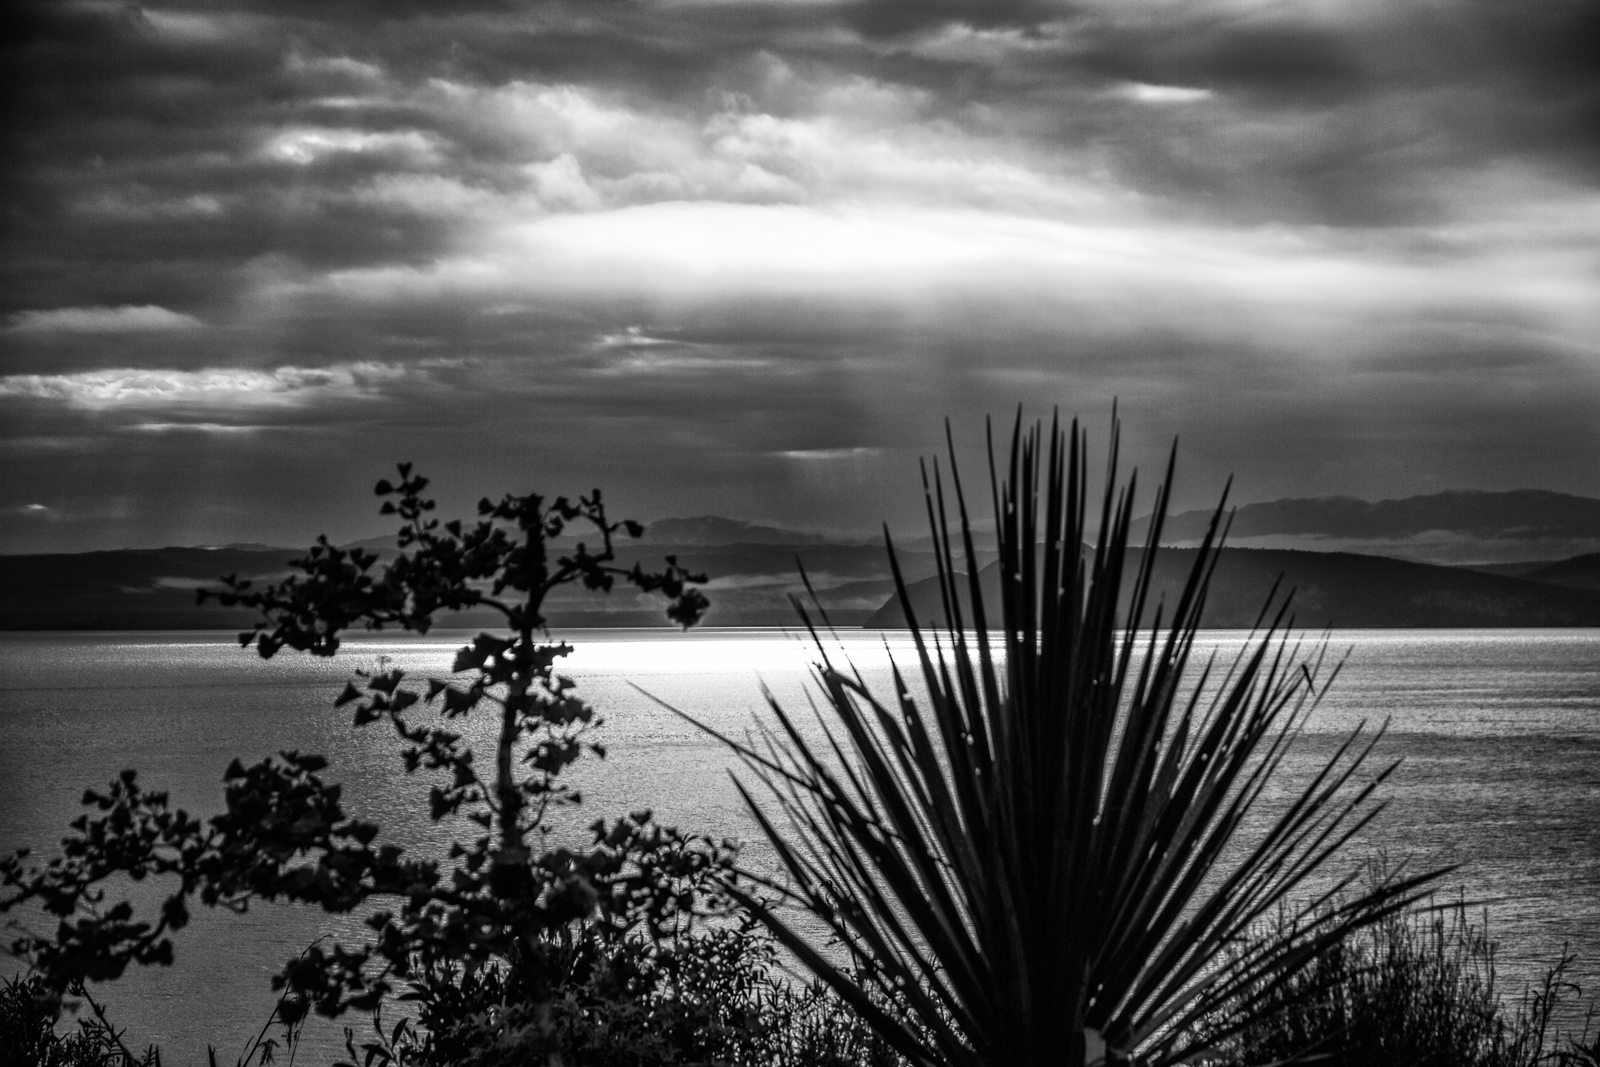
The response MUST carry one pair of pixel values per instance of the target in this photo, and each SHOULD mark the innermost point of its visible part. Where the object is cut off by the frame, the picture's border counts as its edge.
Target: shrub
(713, 998)
(28, 1014)
(1418, 989)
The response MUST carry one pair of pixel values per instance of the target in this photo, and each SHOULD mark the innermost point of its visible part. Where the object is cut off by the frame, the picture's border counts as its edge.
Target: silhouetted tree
(284, 833)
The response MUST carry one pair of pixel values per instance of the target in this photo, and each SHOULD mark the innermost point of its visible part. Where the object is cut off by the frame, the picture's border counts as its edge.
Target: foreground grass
(1419, 990)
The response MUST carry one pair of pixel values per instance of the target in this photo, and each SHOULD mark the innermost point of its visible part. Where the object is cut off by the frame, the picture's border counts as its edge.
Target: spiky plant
(1040, 858)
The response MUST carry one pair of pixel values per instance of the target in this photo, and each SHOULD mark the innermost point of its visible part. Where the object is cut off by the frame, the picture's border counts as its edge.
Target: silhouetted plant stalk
(1039, 860)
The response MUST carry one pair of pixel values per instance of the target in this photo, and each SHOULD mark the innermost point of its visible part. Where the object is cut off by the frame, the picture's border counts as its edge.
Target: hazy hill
(714, 530)
(1337, 589)
(1580, 572)
(751, 583)
(703, 531)
(1534, 511)
(1520, 569)
(130, 589)
(1465, 527)
(155, 589)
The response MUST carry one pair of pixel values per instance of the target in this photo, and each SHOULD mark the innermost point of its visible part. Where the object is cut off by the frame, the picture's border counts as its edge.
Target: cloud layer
(743, 255)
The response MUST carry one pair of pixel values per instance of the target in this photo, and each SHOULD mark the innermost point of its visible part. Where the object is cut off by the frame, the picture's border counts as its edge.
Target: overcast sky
(744, 256)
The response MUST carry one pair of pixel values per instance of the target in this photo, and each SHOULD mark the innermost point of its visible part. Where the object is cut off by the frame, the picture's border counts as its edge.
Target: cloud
(126, 319)
(753, 251)
(1165, 94)
(216, 388)
(814, 455)
(304, 146)
(194, 427)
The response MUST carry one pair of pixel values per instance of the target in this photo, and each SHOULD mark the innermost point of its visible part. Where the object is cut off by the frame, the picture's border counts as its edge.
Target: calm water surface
(1499, 730)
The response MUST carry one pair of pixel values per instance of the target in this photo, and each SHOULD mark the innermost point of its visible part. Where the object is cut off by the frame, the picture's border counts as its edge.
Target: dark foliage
(284, 833)
(1418, 989)
(711, 998)
(29, 1011)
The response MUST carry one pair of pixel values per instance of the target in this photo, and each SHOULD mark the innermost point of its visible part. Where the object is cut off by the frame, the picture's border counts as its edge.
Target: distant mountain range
(753, 570)
(1580, 572)
(1330, 589)
(1466, 527)
(154, 589)
(712, 530)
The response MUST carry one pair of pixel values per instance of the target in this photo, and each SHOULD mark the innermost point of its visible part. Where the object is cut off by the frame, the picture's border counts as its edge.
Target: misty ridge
(1331, 590)
(1352, 563)
(1528, 512)
(1470, 527)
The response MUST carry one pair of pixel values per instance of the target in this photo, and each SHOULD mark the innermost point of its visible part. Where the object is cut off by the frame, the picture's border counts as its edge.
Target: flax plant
(1043, 856)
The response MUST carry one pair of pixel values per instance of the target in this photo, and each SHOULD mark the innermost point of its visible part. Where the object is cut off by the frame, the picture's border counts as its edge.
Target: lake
(1499, 731)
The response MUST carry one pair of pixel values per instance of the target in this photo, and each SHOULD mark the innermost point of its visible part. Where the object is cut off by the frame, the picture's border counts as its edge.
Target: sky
(745, 257)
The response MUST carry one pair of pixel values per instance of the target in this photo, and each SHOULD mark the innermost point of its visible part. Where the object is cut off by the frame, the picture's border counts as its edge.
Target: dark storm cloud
(751, 250)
